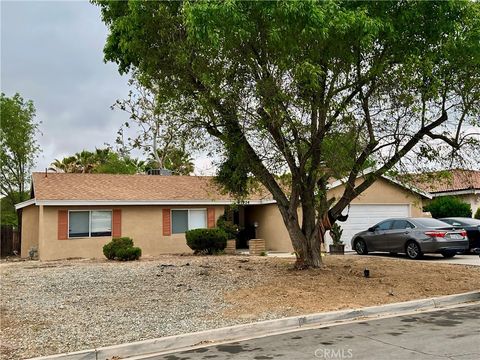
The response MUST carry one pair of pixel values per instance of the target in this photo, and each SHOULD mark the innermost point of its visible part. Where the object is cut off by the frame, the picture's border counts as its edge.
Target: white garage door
(361, 217)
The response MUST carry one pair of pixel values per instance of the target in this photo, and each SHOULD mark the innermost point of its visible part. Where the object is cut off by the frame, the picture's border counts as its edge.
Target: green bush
(448, 206)
(121, 249)
(128, 253)
(477, 214)
(209, 241)
(230, 228)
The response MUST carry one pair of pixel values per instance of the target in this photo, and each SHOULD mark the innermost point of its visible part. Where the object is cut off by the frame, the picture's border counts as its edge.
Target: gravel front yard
(59, 306)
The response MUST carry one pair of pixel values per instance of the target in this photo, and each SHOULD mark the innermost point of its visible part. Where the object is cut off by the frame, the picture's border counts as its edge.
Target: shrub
(448, 206)
(477, 214)
(121, 249)
(128, 253)
(336, 234)
(229, 227)
(209, 241)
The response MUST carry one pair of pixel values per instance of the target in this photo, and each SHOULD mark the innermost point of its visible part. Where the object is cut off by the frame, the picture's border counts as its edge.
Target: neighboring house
(74, 215)
(464, 184)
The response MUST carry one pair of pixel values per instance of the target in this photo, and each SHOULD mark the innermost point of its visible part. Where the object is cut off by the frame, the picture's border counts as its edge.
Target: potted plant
(338, 247)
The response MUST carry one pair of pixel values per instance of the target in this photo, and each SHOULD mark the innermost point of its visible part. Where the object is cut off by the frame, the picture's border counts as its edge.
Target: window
(183, 220)
(386, 225)
(401, 225)
(89, 223)
(430, 223)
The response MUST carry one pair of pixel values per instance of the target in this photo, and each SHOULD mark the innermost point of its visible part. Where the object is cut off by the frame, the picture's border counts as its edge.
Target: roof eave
(149, 202)
(455, 192)
(25, 204)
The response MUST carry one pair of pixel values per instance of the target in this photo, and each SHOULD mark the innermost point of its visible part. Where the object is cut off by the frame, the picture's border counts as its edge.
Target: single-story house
(74, 215)
(464, 184)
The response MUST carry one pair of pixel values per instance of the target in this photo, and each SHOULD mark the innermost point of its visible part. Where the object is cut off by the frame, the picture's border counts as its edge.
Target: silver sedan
(412, 236)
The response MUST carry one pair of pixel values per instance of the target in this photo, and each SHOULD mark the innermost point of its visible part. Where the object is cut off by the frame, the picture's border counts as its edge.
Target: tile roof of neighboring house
(104, 187)
(446, 181)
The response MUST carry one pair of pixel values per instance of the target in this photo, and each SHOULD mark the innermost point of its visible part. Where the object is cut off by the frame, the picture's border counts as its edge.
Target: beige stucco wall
(272, 229)
(29, 229)
(385, 192)
(142, 223)
(473, 200)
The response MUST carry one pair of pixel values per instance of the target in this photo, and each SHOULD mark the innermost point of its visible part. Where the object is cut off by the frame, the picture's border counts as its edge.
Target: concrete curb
(258, 329)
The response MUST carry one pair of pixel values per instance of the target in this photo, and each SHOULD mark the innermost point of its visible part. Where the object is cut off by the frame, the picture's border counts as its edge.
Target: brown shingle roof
(452, 180)
(61, 186)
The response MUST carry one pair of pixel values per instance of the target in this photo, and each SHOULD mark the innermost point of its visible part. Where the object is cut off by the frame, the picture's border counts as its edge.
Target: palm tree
(86, 161)
(67, 165)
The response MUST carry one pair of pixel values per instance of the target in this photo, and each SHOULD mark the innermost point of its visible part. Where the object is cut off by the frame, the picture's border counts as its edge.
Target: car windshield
(472, 222)
(431, 223)
(462, 222)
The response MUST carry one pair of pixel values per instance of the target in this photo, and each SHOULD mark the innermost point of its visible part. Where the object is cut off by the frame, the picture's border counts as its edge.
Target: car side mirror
(372, 229)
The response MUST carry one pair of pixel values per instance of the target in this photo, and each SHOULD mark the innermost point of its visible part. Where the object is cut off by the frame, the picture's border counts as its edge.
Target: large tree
(154, 126)
(18, 148)
(312, 89)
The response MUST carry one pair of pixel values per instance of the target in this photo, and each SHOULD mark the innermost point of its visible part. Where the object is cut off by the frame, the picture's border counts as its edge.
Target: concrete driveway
(441, 334)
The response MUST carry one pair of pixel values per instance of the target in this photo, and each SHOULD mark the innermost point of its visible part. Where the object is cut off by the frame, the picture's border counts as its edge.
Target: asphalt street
(443, 334)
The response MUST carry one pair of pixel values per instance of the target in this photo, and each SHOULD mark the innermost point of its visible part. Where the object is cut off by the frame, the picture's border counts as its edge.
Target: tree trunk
(308, 250)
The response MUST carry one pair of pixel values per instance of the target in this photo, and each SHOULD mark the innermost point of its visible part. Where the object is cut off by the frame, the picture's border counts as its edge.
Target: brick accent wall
(256, 246)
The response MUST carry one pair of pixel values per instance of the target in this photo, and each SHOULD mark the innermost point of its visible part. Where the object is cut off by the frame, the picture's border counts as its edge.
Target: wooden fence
(9, 240)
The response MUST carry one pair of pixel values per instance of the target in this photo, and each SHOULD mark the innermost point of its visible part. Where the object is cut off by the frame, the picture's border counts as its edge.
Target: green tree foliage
(18, 150)
(279, 84)
(100, 161)
(158, 129)
(177, 160)
(228, 227)
(448, 206)
(8, 214)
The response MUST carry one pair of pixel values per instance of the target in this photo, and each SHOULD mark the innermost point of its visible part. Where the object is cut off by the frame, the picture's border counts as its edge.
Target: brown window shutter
(211, 217)
(62, 224)
(116, 223)
(166, 222)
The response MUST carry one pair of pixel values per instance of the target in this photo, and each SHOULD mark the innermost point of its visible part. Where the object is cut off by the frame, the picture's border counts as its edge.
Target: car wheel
(413, 251)
(361, 247)
(449, 254)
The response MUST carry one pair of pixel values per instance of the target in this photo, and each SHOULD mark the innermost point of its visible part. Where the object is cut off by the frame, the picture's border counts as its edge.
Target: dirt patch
(341, 285)
(63, 306)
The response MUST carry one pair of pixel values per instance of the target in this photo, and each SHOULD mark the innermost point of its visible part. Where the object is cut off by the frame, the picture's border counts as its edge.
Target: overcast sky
(52, 53)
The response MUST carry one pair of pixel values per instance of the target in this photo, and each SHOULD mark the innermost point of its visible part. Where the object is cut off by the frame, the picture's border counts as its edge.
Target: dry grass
(341, 285)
